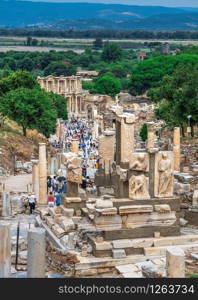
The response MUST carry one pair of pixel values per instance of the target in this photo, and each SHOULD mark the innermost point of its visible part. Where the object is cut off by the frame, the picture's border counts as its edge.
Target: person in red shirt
(51, 199)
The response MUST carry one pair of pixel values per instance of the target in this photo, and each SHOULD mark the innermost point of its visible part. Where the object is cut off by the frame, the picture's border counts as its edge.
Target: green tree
(144, 132)
(59, 68)
(31, 109)
(177, 97)
(16, 80)
(112, 53)
(60, 103)
(98, 43)
(149, 73)
(107, 85)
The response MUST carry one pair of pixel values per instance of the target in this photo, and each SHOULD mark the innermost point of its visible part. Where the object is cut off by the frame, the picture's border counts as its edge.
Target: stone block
(184, 177)
(118, 253)
(66, 224)
(73, 200)
(175, 262)
(127, 268)
(103, 246)
(108, 222)
(177, 240)
(50, 222)
(156, 234)
(162, 208)
(150, 219)
(120, 244)
(154, 251)
(195, 198)
(64, 240)
(133, 209)
(132, 275)
(142, 243)
(181, 188)
(89, 272)
(58, 231)
(67, 212)
(153, 271)
(100, 204)
(193, 169)
(107, 211)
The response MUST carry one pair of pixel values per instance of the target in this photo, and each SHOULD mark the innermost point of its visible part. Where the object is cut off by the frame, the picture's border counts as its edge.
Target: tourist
(58, 198)
(51, 200)
(64, 188)
(32, 202)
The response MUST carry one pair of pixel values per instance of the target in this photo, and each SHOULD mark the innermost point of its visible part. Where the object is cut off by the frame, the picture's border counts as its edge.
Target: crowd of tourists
(88, 150)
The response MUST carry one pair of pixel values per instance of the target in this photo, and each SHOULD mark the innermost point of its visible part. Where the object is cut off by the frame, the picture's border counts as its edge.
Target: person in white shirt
(32, 202)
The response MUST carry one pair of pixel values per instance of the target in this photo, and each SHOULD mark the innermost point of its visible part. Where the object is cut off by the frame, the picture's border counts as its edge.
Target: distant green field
(81, 44)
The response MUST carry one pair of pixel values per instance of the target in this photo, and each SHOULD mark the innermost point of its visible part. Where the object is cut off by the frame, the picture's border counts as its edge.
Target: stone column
(176, 148)
(151, 135)
(36, 253)
(74, 146)
(35, 177)
(76, 105)
(5, 250)
(42, 174)
(7, 209)
(175, 262)
(124, 139)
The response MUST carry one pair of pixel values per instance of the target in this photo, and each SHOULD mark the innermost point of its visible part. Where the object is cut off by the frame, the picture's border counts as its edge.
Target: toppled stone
(153, 271)
(67, 212)
(183, 222)
(194, 256)
(58, 231)
(181, 188)
(66, 224)
(64, 240)
(184, 177)
(193, 169)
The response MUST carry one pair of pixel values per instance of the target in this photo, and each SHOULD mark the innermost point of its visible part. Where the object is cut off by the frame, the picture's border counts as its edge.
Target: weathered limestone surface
(176, 148)
(42, 175)
(35, 177)
(164, 166)
(175, 258)
(5, 251)
(36, 253)
(108, 222)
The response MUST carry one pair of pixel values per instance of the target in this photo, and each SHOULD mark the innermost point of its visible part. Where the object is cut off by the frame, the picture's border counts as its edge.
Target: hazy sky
(171, 3)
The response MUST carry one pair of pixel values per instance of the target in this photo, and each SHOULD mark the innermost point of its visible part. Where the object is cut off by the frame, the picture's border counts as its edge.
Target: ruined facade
(68, 87)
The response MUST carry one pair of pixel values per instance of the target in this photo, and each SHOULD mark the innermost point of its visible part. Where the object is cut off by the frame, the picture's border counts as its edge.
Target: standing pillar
(42, 174)
(35, 177)
(36, 253)
(151, 135)
(176, 148)
(124, 139)
(5, 251)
